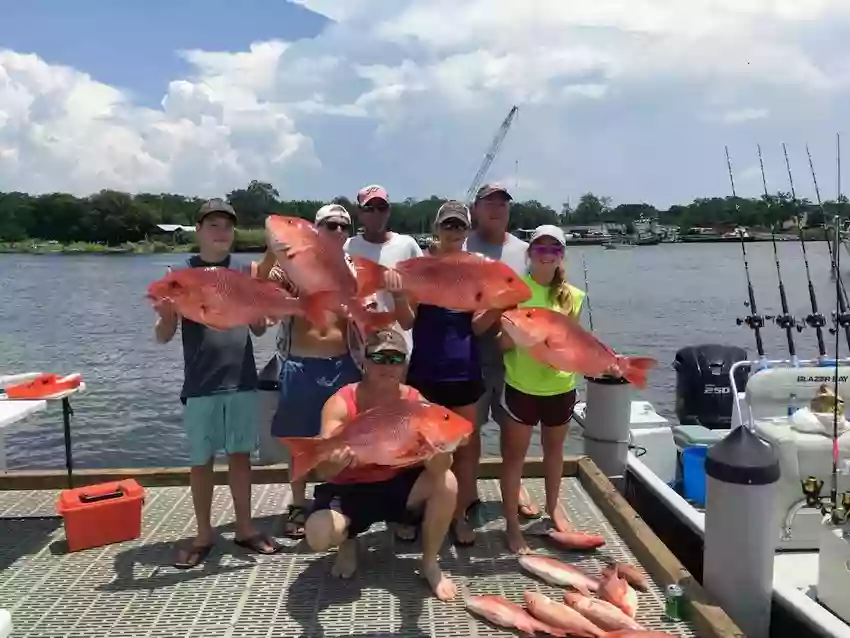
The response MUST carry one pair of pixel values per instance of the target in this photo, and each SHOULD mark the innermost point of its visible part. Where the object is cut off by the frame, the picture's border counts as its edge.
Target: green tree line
(114, 218)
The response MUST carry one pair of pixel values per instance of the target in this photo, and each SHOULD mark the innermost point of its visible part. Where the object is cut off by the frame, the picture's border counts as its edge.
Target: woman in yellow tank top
(536, 393)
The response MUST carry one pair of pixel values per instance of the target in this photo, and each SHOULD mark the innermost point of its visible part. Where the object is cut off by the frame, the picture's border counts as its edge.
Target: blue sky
(630, 100)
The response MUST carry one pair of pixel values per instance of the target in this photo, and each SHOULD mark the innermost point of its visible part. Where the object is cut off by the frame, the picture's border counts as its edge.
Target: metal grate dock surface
(130, 590)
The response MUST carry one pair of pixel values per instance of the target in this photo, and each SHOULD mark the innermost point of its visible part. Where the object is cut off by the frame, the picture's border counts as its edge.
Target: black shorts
(367, 503)
(450, 394)
(528, 409)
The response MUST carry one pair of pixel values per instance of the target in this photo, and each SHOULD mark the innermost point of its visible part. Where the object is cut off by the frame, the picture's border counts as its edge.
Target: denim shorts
(306, 383)
(227, 421)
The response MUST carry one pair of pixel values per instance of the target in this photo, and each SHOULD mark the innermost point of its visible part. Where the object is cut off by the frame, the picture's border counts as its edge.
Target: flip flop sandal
(194, 556)
(454, 538)
(296, 518)
(258, 543)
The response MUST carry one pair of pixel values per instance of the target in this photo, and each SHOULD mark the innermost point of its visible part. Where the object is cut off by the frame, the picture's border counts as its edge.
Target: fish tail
(304, 455)
(636, 369)
(370, 320)
(370, 276)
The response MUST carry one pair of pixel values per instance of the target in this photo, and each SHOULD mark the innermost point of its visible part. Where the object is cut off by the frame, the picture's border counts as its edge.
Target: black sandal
(194, 556)
(296, 518)
(257, 544)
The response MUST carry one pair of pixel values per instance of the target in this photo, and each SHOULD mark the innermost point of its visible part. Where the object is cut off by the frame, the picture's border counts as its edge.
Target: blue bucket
(693, 473)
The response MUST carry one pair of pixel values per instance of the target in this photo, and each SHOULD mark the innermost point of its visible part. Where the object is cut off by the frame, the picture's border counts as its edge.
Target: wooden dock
(129, 590)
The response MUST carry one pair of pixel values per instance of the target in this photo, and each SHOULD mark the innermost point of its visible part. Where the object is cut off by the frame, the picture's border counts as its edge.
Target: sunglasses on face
(543, 249)
(453, 224)
(387, 358)
(334, 226)
(375, 208)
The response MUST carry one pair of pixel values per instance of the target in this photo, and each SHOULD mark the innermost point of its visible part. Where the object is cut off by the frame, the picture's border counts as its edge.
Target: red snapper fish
(400, 433)
(559, 341)
(460, 281)
(504, 613)
(224, 298)
(557, 573)
(318, 268)
(617, 591)
(577, 541)
(602, 613)
(558, 615)
(630, 573)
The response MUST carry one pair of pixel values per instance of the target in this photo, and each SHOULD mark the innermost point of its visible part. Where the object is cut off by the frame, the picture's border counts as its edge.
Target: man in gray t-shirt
(490, 213)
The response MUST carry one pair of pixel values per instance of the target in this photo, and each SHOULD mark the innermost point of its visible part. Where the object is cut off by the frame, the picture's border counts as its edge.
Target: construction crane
(491, 154)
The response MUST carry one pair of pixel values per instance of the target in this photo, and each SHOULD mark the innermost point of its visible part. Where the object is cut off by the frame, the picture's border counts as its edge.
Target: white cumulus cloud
(631, 99)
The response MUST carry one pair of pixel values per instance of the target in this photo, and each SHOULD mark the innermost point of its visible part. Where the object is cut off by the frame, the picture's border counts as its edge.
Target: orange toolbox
(103, 514)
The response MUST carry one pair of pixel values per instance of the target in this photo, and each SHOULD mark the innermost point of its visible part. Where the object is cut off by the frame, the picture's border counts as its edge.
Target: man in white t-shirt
(379, 244)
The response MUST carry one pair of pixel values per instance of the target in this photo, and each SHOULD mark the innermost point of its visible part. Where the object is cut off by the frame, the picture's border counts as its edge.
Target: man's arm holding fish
(334, 415)
(405, 309)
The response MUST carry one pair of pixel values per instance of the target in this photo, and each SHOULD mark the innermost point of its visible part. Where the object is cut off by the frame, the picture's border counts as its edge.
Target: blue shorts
(226, 421)
(306, 383)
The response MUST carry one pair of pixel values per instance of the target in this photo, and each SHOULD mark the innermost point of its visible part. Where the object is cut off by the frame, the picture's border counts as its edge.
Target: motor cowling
(703, 388)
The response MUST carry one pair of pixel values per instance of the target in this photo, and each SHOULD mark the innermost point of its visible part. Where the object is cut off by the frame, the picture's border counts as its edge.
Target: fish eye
(174, 285)
(510, 280)
(479, 296)
(446, 416)
(528, 314)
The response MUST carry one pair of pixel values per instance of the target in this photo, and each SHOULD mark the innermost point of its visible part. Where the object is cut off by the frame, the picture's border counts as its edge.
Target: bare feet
(462, 533)
(516, 540)
(442, 586)
(346, 559)
(559, 518)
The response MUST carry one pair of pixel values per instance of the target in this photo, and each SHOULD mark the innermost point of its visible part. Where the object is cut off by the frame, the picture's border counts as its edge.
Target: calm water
(88, 314)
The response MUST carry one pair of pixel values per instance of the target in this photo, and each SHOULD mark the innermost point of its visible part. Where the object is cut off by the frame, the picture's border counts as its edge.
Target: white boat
(811, 580)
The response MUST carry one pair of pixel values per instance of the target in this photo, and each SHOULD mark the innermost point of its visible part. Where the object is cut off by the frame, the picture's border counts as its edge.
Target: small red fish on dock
(504, 613)
(558, 615)
(600, 612)
(400, 433)
(559, 341)
(576, 541)
(631, 633)
(618, 592)
(224, 298)
(630, 573)
(557, 573)
(466, 282)
(319, 270)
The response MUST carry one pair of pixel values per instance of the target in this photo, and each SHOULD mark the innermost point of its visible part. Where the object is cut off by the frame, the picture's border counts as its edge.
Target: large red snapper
(458, 281)
(224, 298)
(558, 340)
(400, 433)
(502, 612)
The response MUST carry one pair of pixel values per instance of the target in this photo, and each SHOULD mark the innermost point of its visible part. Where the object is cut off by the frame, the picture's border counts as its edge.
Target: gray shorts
(490, 404)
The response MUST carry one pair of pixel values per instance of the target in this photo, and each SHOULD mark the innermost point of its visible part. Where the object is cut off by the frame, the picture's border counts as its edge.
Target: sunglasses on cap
(379, 208)
(547, 249)
(453, 224)
(385, 358)
(334, 226)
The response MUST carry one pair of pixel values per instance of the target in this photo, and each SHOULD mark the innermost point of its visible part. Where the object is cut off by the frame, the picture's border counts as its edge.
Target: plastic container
(693, 473)
(97, 515)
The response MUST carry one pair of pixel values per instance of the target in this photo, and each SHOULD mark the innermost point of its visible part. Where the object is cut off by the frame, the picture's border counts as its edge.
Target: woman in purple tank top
(444, 365)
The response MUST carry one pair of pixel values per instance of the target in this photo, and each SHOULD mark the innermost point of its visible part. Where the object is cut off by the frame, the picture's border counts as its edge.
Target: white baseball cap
(332, 211)
(548, 230)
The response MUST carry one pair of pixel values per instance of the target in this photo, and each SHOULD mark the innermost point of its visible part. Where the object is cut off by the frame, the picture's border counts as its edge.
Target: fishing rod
(840, 316)
(785, 321)
(833, 489)
(587, 293)
(815, 320)
(754, 321)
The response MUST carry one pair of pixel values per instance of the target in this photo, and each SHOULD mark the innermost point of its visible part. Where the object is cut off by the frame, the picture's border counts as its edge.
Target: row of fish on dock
(223, 298)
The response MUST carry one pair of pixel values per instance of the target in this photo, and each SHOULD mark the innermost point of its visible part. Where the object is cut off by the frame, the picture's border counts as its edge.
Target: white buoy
(270, 451)
(607, 422)
(741, 530)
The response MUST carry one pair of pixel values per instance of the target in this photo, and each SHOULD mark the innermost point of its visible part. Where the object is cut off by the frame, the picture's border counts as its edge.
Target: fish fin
(635, 369)
(316, 309)
(370, 320)
(369, 275)
(303, 453)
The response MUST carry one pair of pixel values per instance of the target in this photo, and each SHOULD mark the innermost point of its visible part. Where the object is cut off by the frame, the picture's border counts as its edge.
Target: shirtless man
(315, 363)
(353, 498)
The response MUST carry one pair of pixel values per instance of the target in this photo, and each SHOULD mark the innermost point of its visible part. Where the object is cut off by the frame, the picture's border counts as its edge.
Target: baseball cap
(332, 211)
(215, 205)
(490, 189)
(384, 340)
(548, 230)
(453, 210)
(373, 191)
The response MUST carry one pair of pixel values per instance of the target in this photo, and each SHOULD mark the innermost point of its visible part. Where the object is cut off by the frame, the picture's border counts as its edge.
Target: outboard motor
(703, 389)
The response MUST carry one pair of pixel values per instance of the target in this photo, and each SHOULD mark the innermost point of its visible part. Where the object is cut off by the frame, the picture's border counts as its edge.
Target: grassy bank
(249, 240)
